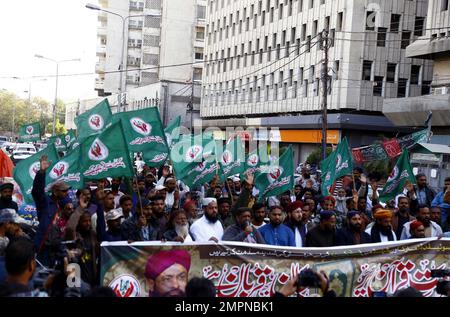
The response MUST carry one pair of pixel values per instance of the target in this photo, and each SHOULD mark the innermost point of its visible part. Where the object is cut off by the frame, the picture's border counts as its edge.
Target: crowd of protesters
(155, 206)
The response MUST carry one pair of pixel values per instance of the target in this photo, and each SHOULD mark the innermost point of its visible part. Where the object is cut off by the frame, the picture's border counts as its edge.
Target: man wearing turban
(167, 273)
(382, 231)
(417, 230)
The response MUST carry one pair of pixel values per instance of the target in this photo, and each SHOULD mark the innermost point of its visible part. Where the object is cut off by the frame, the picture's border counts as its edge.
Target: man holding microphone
(243, 230)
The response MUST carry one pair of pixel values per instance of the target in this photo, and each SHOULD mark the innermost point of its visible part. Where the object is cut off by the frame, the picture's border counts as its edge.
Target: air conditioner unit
(440, 90)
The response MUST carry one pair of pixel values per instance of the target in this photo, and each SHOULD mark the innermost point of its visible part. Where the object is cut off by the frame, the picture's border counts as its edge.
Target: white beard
(182, 231)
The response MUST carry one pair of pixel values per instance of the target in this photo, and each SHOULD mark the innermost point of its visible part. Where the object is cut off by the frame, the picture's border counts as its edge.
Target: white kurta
(202, 230)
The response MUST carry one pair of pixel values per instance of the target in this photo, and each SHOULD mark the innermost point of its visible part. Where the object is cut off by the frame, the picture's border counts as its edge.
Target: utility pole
(324, 78)
(191, 103)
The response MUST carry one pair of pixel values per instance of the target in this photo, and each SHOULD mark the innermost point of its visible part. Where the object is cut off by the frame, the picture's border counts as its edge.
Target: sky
(57, 29)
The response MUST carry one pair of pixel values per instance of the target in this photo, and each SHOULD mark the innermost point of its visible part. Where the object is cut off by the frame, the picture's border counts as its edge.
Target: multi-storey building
(434, 45)
(163, 46)
(263, 64)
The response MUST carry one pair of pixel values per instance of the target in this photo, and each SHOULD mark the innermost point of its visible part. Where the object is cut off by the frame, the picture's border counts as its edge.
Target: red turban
(383, 213)
(188, 204)
(330, 198)
(295, 205)
(159, 262)
(415, 224)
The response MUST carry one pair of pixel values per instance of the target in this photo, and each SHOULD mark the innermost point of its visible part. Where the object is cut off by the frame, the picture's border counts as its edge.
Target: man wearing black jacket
(420, 195)
(243, 230)
(353, 233)
(6, 201)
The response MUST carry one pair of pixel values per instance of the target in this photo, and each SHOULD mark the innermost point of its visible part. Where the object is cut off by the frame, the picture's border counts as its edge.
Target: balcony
(99, 84)
(134, 45)
(135, 26)
(134, 63)
(137, 8)
(101, 49)
(101, 31)
(132, 81)
(100, 67)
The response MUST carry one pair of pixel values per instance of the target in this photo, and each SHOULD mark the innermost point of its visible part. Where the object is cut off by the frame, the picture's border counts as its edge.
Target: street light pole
(56, 100)
(122, 54)
(56, 90)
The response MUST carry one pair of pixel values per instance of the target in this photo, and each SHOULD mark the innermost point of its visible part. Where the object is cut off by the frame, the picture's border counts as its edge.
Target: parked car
(22, 151)
(3, 139)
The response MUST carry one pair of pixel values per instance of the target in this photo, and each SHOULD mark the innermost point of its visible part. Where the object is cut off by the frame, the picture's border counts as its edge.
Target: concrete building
(263, 62)
(164, 50)
(435, 46)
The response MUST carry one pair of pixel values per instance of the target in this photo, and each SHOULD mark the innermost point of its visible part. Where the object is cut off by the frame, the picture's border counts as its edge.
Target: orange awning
(308, 136)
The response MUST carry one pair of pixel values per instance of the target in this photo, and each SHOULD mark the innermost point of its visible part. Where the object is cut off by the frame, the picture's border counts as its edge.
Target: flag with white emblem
(278, 177)
(144, 133)
(106, 154)
(94, 120)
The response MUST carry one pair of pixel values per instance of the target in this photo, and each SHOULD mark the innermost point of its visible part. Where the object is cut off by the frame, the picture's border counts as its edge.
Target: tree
(23, 112)
(316, 156)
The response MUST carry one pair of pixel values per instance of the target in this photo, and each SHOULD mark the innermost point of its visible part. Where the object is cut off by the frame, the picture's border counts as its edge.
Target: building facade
(434, 46)
(163, 45)
(264, 58)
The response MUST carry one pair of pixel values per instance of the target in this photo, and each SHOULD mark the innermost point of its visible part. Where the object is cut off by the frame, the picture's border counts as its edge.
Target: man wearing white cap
(113, 219)
(208, 227)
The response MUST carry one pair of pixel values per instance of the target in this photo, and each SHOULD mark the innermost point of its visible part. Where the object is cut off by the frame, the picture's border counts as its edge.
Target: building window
(339, 21)
(263, 18)
(199, 53)
(150, 59)
(303, 36)
(280, 12)
(308, 43)
(271, 15)
(415, 74)
(395, 22)
(314, 29)
(201, 12)
(406, 35)
(275, 92)
(381, 37)
(336, 70)
(444, 5)
(278, 51)
(390, 72)
(367, 70)
(152, 22)
(198, 73)
(151, 40)
(378, 86)
(283, 38)
(426, 87)
(154, 4)
(370, 19)
(401, 91)
(305, 88)
(200, 33)
(418, 26)
(300, 5)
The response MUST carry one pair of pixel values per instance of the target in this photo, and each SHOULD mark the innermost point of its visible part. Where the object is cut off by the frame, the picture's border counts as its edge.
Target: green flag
(66, 169)
(339, 163)
(26, 170)
(232, 160)
(94, 121)
(201, 173)
(172, 131)
(278, 178)
(70, 138)
(144, 133)
(59, 141)
(256, 162)
(190, 151)
(30, 132)
(106, 154)
(396, 182)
